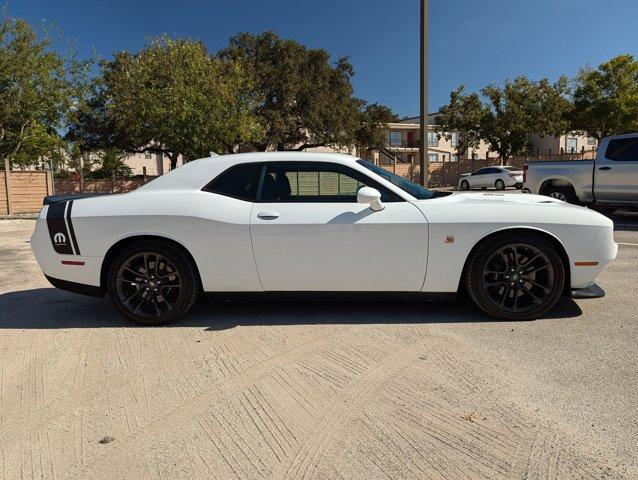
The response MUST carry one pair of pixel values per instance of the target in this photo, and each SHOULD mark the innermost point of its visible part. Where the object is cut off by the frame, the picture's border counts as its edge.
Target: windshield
(417, 191)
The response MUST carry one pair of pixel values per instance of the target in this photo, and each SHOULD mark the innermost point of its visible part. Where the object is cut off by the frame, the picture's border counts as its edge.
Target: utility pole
(423, 147)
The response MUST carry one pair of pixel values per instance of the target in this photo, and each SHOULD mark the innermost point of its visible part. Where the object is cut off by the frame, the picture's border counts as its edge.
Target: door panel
(339, 246)
(616, 173)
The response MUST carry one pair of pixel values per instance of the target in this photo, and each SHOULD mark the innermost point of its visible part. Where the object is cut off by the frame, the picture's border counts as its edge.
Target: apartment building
(404, 137)
(570, 143)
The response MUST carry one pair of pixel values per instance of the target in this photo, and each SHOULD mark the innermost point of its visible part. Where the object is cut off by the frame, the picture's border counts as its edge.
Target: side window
(623, 150)
(481, 171)
(240, 181)
(313, 183)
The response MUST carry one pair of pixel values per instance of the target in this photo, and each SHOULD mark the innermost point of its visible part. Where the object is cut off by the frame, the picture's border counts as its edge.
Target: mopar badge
(449, 239)
(59, 238)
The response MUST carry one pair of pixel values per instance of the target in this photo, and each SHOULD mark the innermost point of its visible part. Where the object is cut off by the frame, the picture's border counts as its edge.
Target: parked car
(606, 183)
(492, 177)
(259, 223)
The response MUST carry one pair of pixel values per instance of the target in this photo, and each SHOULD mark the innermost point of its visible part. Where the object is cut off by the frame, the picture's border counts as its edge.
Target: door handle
(604, 168)
(268, 215)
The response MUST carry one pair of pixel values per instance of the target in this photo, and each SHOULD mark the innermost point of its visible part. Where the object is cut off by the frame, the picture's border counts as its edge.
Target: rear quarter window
(623, 150)
(239, 181)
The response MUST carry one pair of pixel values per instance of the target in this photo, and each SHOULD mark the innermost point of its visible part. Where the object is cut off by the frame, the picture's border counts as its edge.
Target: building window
(433, 157)
(474, 156)
(454, 140)
(396, 139)
(148, 154)
(571, 144)
(433, 139)
(454, 158)
(410, 158)
(591, 141)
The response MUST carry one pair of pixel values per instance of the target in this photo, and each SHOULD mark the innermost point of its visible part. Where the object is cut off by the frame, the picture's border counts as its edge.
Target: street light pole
(423, 147)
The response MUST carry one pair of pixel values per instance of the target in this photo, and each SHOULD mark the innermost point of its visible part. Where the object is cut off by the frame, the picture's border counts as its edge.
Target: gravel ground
(315, 390)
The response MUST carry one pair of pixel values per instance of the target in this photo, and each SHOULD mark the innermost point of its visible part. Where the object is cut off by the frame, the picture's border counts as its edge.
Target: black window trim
(313, 165)
(264, 164)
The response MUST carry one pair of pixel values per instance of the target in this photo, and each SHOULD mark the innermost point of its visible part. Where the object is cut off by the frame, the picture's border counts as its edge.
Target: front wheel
(465, 185)
(515, 276)
(153, 282)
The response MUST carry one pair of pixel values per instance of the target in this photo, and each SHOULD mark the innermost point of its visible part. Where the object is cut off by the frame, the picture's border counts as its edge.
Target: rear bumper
(593, 291)
(80, 288)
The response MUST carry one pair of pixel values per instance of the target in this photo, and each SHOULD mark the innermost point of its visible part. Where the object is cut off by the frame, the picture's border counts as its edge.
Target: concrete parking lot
(316, 390)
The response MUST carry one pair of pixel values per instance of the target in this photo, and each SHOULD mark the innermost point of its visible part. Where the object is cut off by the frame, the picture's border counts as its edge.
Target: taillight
(525, 167)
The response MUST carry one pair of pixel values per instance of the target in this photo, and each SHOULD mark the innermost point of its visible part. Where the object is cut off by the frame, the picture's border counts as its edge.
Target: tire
(153, 282)
(566, 194)
(465, 185)
(499, 184)
(504, 293)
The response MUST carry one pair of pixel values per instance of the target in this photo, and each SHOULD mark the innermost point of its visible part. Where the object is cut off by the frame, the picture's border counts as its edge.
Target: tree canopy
(606, 98)
(170, 97)
(507, 117)
(372, 124)
(37, 90)
(302, 100)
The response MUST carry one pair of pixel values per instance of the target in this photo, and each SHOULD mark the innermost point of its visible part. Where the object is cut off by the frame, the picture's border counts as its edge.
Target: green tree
(606, 98)
(372, 125)
(463, 115)
(37, 90)
(109, 162)
(302, 99)
(507, 117)
(171, 97)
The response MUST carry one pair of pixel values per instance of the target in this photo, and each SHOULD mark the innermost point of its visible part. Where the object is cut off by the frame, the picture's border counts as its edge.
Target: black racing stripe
(58, 232)
(71, 231)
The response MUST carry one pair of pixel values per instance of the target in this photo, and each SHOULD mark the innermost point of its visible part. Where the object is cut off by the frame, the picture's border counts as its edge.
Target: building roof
(417, 119)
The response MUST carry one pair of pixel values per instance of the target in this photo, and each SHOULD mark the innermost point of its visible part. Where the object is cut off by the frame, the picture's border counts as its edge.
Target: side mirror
(371, 196)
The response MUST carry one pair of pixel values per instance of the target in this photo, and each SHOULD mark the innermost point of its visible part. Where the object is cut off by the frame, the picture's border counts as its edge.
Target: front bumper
(593, 291)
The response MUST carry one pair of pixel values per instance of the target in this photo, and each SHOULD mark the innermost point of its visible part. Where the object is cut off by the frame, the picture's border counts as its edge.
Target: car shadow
(624, 220)
(50, 308)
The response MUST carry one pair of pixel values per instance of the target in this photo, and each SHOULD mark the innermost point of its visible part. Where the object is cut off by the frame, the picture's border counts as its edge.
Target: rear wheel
(566, 194)
(153, 282)
(515, 276)
(465, 185)
(499, 184)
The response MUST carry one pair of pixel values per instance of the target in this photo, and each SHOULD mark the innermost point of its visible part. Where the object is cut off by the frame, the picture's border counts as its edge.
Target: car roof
(195, 174)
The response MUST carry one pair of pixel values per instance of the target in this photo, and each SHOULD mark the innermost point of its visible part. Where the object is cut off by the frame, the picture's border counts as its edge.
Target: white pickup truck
(608, 182)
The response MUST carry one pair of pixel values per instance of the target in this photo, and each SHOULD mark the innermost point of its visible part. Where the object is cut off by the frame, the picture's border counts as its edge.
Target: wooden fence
(22, 191)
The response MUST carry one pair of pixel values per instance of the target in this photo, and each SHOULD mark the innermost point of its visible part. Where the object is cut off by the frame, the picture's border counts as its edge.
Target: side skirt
(334, 296)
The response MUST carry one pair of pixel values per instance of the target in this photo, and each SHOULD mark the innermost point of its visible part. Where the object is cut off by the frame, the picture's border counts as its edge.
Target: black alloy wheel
(153, 283)
(519, 276)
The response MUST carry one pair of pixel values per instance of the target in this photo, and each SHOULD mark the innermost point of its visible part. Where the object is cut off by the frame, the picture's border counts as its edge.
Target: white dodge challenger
(313, 222)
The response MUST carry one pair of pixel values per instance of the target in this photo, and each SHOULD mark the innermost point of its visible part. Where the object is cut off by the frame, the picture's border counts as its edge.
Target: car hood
(502, 198)
(513, 209)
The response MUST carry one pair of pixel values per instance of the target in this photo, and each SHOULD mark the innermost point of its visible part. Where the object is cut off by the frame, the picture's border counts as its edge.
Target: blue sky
(471, 42)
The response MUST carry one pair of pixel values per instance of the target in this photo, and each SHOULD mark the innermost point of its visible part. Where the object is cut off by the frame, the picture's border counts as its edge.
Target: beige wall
(155, 165)
(550, 144)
